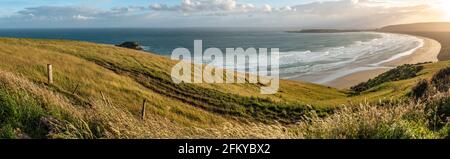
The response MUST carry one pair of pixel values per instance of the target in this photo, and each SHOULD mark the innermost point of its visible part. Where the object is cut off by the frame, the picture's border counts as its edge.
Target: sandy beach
(428, 53)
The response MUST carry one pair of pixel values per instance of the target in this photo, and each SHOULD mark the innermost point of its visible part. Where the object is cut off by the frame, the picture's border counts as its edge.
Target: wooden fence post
(75, 90)
(143, 109)
(50, 73)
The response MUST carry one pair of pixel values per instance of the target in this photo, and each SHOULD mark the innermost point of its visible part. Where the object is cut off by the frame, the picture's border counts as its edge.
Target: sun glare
(445, 8)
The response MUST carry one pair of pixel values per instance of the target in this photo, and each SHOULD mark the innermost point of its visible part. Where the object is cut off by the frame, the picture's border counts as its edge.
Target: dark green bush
(437, 112)
(441, 80)
(400, 73)
(420, 90)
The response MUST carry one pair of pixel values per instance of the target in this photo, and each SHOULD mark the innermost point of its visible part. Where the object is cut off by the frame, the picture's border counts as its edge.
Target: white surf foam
(400, 55)
(336, 62)
(359, 56)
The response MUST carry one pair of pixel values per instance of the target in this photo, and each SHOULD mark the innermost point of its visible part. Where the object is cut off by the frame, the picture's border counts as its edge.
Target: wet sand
(428, 53)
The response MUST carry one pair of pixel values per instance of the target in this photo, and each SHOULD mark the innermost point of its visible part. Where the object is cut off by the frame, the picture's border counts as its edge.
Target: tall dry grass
(103, 120)
(369, 122)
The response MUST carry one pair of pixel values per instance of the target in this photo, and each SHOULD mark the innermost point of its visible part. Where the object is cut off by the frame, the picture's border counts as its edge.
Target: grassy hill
(99, 91)
(419, 27)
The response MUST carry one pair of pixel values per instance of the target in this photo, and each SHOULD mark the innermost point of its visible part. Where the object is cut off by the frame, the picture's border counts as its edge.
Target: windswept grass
(125, 77)
(57, 117)
(400, 73)
(129, 76)
(25, 107)
(406, 121)
(32, 111)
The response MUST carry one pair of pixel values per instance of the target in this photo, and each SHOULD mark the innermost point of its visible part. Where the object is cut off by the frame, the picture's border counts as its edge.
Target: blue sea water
(302, 56)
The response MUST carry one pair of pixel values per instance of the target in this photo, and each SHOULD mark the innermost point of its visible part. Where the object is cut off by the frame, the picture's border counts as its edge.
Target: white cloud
(267, 8)
(338, 13)
(196, 6)
(247, 7)
(159, 7)
(207, 5)
(362, 13)
(53, 11)
(286, 9)
(81, 17)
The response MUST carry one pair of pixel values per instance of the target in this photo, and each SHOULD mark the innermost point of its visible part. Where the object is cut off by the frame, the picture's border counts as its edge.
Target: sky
(219, 13)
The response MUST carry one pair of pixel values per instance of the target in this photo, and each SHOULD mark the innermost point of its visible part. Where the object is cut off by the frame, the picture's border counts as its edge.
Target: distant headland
(329, 30)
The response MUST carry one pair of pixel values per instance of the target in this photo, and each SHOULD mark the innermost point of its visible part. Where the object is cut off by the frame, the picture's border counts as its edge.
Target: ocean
(312, 57)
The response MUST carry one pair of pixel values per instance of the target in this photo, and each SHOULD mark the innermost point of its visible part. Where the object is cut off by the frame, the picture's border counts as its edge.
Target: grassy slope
(399, 89)
(129, 76)
(126, 77)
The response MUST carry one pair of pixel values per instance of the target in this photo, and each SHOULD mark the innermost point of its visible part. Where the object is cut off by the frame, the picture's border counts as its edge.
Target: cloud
(196, 6)
(161, 7)
(207, 5)
(53, 12)
(362, 13)
(247, 7)
(130, 9)
(81, 17)
(267, 8)
(286, 9)
(331, 14)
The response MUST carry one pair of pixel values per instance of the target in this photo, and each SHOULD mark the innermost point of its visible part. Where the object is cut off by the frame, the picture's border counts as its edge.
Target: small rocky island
(130, 45)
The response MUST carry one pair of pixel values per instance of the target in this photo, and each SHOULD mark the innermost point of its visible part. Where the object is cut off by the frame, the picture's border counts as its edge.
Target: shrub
(420, 90)
(438, 110)
(400, 73)
(441, 80)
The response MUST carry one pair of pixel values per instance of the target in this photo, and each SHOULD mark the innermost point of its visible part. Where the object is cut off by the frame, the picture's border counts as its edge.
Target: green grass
(129, 76)
(26, 116)
(23, 114)
(400, 73)
(126, 77)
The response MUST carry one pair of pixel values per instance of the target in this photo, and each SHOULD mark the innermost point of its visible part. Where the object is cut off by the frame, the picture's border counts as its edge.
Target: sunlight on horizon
(445, 9)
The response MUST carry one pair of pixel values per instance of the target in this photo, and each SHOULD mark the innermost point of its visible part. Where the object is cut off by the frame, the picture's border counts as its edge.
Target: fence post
(50, 73)
(143, 109)
(75, 90)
